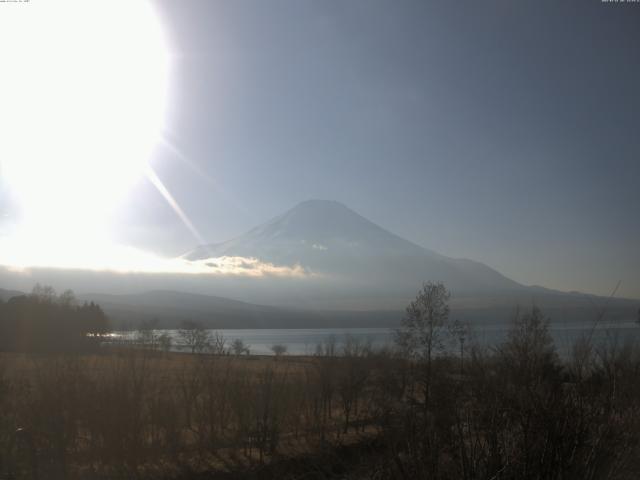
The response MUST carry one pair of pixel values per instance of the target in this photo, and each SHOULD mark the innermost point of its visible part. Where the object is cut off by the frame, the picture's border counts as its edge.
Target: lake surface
(304, 341)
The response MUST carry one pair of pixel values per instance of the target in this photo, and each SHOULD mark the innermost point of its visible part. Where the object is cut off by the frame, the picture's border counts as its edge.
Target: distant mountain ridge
(328, 238)
(7, 294)
(170, 308)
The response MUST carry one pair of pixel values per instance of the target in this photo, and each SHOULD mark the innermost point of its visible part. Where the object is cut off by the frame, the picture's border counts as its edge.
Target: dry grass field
(134, 410)
(514, 411)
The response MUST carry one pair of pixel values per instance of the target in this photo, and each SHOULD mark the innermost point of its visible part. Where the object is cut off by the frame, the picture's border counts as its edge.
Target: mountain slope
(7, 294)
(329, 239)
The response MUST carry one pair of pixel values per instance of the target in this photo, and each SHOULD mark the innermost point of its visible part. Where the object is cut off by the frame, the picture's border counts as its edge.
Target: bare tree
(146, 334)
(217, 344)
(460, 332)
(67, 299)
(327, 347)
(194, 336)
(529, 349)
(354, 347)
(279, 349)
(43, 293)
(423, 329)
(164, 342)
(238, 346)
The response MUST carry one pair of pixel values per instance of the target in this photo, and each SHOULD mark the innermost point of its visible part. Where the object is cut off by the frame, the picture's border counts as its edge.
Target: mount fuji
(354, 273)
(331, 240)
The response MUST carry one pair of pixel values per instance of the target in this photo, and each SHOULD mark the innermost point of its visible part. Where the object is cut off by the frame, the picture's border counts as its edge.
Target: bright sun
(82, 98)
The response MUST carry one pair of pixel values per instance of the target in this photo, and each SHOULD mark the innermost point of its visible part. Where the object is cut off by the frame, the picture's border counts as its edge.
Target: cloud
(243, 266)
(317, 246)
(108, 257)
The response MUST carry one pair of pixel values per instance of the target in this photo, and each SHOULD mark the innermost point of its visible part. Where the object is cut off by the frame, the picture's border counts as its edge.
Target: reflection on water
(305, 341)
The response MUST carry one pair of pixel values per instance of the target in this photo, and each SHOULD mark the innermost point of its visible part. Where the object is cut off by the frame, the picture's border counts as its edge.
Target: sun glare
(81, 107)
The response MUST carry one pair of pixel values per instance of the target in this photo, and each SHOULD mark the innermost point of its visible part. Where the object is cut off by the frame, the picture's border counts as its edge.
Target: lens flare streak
(166, 194)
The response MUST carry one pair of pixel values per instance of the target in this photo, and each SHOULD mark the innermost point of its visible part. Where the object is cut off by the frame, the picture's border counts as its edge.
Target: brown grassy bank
(515, 411)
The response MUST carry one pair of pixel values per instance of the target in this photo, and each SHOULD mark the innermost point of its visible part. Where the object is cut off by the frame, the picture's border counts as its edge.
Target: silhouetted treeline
(44, 322)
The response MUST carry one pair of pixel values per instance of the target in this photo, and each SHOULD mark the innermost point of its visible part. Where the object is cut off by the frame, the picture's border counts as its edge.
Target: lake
(304, 341)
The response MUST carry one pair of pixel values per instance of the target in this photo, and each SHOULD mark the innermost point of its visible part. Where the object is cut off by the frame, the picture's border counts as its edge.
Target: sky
(501, 131)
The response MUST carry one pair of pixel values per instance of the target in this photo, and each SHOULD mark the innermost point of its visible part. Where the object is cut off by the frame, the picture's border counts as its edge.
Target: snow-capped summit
(328, 238)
